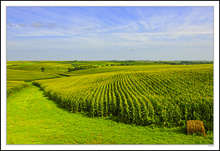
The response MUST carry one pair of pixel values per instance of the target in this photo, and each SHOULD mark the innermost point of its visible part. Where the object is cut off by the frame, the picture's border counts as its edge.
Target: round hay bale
(195, 126)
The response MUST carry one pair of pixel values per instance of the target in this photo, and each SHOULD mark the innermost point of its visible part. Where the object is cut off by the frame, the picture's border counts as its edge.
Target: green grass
(50, 66)
(15, 86)
(34, 119)
(25, 75)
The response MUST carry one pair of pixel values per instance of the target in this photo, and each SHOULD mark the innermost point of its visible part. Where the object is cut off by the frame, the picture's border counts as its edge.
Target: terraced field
(166, 97)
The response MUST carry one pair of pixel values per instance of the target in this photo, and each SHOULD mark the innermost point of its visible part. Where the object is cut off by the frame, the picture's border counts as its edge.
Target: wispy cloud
(133, 49)
(110, 29)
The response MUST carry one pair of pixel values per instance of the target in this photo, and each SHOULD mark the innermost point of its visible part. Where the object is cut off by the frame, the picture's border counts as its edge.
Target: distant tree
(42, 69)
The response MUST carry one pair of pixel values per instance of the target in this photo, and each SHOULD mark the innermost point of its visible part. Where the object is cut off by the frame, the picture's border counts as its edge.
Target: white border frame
(215, 4)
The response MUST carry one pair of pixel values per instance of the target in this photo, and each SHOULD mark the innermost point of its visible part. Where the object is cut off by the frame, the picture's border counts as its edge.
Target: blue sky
(110, 33)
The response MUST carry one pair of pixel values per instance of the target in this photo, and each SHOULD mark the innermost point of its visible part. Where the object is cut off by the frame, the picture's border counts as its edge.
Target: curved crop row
(166, 97)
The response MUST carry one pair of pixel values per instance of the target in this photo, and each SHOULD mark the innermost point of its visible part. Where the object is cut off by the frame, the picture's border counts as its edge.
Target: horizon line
(111, 60)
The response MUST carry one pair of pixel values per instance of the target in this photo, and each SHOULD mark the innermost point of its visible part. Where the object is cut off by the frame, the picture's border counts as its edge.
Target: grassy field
(15, 86)
(34, 119)
(129, 102)
(25, 75)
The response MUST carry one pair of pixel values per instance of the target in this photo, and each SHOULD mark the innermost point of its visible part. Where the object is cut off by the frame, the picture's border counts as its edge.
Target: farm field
(147, 100)
(32, 118)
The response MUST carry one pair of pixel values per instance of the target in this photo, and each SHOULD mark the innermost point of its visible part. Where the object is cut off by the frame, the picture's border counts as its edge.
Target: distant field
(36, 66)
(146, 94)
(24, 75)
(149, 68)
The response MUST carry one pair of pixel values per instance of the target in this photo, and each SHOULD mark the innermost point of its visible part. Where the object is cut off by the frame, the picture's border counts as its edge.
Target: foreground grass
(34, 119)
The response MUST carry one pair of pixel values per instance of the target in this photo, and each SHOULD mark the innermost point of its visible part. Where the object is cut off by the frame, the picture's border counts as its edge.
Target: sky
(110, 33)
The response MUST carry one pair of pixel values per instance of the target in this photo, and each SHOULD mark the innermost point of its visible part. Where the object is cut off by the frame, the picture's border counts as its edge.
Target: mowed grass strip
(34, 119)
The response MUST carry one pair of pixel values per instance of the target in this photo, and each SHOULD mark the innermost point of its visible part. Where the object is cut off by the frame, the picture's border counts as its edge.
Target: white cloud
(133, 49)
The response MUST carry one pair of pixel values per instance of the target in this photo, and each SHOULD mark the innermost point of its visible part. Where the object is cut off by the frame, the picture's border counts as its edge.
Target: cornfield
(166, 97)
